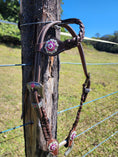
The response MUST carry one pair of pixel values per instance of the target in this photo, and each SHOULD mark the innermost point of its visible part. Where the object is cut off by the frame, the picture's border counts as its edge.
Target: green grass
(104, 80)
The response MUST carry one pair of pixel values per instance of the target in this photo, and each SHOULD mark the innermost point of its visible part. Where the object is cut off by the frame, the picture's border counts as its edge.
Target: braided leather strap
(78, 22)
(85, 90)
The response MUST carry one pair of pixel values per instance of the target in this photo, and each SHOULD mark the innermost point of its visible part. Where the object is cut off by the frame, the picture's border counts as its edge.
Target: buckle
(39, 105)
(86, 88)
(69, 149)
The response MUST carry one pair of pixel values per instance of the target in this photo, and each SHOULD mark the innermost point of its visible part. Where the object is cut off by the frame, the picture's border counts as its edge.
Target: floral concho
(53, 146)
(73, 135)
(51, 46)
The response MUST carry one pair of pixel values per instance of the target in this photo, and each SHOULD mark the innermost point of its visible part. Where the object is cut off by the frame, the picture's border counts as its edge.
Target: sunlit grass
(104, 80)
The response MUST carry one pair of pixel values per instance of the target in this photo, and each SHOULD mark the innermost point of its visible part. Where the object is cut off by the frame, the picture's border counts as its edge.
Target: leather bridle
(53, 47)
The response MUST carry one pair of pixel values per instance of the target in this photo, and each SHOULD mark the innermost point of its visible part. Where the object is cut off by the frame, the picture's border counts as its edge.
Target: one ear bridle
(53, 47)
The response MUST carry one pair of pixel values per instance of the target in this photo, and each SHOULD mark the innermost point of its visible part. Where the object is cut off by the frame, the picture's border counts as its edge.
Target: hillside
(104, 81)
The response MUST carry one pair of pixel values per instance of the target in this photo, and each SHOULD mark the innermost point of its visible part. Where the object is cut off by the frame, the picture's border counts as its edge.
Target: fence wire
(100, 144)
(64, 33)
(29, 123)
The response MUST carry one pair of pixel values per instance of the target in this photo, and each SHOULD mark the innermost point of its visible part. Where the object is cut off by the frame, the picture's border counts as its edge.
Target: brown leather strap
(68, 44)
(44, 121)
(75, 41)
(79, 46)
(52, 144)
(58, 47)
(85, 90)
(78, 22)
(81, 52)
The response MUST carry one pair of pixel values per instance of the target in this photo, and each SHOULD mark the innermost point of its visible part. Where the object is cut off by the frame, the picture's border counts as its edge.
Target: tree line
(9, 11)
(105, 46)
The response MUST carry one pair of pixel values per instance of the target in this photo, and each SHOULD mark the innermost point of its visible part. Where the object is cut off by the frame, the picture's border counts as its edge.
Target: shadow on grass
(10, 41)
(11, 138)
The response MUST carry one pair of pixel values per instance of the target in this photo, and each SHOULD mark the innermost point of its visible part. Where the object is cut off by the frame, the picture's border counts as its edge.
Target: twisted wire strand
(8, 22)
(97, 124)
(100, 144)
(17, 127)
(62, 33)
(70, 108)
(90, 127)
(89, 63)
(10, 65)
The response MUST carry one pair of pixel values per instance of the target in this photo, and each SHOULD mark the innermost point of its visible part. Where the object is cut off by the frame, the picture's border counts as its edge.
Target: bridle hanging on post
(53, 47)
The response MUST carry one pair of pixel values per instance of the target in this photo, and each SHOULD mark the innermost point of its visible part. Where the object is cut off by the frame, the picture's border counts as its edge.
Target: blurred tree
(9, 10)
(107, 47)
(97, 35)
(116, 36)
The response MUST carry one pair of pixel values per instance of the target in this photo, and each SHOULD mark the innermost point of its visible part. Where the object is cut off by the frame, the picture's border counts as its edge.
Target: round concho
(73, 135)
(51, 46)
(53, 146)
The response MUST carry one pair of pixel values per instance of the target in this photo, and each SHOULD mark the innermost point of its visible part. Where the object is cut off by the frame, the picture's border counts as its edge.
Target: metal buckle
(39, 105)
(87, 90)
(69, 149)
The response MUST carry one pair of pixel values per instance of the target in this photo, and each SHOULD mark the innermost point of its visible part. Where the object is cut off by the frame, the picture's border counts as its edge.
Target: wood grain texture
(31, 11)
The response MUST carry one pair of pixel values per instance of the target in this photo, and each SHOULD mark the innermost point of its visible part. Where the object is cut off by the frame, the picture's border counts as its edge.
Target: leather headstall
(53, 47)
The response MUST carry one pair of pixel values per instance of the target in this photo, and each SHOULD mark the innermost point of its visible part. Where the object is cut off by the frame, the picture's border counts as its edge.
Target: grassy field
(104, 80)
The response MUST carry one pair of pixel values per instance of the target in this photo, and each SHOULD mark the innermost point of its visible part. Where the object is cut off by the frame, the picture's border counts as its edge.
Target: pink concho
(73, 135)
(32, 85)
(53, 146)
(51, 46)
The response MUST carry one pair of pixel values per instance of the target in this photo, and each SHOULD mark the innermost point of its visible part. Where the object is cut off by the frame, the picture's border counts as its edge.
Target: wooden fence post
(37, 11)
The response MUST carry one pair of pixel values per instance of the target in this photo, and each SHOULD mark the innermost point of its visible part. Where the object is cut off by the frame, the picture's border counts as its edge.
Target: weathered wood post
(38, 11)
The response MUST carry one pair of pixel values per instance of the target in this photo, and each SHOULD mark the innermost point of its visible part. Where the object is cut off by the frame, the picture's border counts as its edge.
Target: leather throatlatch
(53, 47)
